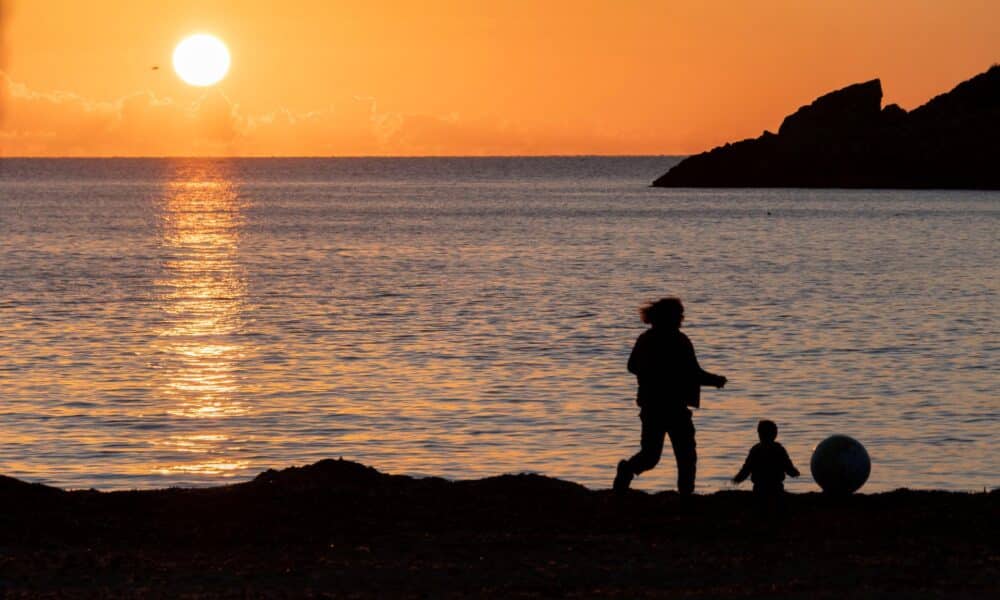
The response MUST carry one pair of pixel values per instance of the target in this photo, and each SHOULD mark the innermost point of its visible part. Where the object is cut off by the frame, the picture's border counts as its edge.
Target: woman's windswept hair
(665, 311)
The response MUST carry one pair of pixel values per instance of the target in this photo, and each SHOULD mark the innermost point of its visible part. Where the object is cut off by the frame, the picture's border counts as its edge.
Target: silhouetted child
(767, 463)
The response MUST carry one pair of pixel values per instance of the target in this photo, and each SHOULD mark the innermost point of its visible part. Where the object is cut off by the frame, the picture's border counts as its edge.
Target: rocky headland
(341, 529)
(846, 139)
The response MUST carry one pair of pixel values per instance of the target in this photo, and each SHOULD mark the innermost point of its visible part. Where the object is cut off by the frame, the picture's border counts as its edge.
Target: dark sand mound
(845, 139)
(340, 528)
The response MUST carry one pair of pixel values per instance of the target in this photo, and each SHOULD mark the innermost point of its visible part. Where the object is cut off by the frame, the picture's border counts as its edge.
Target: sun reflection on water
(203, 301)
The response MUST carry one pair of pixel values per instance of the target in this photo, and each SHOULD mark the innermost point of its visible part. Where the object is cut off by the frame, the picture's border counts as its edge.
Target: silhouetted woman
(670, 381)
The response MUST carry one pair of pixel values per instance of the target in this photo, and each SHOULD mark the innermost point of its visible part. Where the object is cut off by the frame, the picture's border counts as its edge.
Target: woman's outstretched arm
(704, 377)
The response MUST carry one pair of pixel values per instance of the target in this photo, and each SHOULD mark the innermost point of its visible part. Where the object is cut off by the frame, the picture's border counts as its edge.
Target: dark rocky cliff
(846, 139)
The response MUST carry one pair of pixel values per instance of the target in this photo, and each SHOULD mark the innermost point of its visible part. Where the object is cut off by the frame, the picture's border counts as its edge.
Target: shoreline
(16, 481)
(339, 527)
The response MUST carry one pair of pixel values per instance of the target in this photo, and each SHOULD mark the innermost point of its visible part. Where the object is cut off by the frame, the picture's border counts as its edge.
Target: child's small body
(767, 463)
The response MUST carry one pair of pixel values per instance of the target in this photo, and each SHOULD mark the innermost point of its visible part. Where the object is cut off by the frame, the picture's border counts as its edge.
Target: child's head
(767, 431)
(667, 312)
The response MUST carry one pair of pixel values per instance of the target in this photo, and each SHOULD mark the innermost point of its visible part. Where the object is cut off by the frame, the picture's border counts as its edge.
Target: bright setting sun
(201, 60)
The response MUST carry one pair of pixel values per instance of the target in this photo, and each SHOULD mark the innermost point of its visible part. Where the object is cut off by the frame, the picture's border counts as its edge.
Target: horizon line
(344, 156)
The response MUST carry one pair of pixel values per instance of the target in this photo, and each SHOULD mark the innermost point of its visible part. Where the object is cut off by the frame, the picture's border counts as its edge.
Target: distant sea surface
(194, 322)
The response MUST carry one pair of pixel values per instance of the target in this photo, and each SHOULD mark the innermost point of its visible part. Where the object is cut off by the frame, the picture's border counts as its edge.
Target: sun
(201, 60)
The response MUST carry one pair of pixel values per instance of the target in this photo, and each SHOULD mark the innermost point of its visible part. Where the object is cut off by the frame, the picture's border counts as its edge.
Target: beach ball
(840, 464)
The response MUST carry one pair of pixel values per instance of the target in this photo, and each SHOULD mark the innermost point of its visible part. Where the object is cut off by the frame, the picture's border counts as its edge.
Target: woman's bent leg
(651, 446)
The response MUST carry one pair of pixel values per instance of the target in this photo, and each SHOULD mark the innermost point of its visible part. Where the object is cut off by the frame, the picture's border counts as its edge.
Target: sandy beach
(338, 528)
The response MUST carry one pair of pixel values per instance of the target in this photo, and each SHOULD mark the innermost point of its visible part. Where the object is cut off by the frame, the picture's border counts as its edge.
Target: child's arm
(789, 467)
(745, 471)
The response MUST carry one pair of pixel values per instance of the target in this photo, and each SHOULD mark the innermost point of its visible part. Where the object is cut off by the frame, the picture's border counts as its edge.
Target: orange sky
(433, 77)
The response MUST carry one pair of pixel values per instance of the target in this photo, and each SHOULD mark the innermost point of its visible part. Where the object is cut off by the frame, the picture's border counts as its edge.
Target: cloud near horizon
(142, 124)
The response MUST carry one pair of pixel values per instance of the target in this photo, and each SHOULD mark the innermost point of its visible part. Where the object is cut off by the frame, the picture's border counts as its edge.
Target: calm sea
(194, 322)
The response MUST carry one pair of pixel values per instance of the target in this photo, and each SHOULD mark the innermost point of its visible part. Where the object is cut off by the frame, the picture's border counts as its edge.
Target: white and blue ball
(840, 465)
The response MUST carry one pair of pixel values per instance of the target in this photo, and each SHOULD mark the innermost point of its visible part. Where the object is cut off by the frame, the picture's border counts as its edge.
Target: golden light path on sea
(203, 303)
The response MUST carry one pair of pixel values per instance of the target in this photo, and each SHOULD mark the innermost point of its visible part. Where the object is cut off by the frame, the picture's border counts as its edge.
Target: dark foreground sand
(338, 528)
